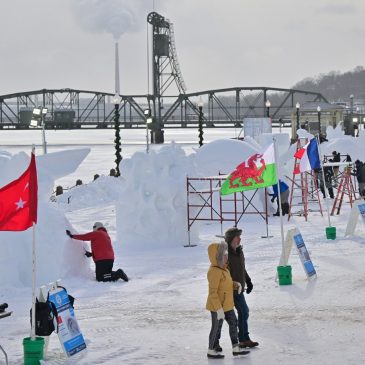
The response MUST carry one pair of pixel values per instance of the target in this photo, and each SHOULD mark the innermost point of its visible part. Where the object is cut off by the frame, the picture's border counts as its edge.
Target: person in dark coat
(102, 253)
(237, 268)
(336, 157)
(328, 176)
(359, 172)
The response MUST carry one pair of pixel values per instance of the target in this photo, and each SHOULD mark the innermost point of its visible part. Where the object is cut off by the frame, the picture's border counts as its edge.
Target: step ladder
(345, 186)
(304, 189)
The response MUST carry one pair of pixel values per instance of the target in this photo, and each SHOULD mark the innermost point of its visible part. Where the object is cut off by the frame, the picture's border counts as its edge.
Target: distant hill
(336, 86)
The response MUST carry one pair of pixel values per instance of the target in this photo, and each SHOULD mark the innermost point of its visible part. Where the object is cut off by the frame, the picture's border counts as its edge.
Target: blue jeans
(243, 313)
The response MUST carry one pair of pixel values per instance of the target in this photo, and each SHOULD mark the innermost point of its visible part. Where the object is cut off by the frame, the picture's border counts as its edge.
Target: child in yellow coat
(220, 301)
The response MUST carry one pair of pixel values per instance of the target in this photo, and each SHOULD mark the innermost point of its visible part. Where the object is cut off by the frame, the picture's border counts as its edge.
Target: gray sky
(227, 43)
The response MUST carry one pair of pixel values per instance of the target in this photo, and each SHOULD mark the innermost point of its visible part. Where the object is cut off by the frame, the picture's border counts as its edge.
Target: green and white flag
(259, 171)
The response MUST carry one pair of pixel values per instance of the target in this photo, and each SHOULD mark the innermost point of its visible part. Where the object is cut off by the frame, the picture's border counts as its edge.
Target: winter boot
(218, 348)
(213, 354)
(122, 275)
(248, 343)
(237, 350)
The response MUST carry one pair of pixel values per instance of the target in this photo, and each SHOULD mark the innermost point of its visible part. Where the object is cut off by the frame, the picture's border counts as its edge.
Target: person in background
(359, 172)
(237, 268)
(328, 175)
(220, 301)
(102, 253)
(284, 197)
(336, 157)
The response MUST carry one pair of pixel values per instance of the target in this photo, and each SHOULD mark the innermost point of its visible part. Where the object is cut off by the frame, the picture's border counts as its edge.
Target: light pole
(297, 105)
(149, 120)
(118, 148)
(38, 119)
(319, 119)
(200, 126)
(268, 104)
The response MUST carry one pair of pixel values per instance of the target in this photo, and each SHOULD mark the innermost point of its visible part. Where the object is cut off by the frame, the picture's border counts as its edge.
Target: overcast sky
(226, 43)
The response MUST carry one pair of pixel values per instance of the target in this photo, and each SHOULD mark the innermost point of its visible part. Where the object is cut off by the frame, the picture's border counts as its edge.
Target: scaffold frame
(212, 206)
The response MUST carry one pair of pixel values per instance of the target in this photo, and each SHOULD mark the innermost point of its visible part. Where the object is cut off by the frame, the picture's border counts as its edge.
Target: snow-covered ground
(159, 316)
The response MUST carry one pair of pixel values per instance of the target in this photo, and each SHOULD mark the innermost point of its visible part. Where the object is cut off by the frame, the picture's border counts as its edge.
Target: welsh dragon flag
(257, 172)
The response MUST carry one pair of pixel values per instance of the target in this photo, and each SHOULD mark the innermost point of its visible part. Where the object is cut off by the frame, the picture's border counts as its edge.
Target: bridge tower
(165, 69)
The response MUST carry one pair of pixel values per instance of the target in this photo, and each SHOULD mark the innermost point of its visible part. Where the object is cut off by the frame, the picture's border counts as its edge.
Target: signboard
(294, 236)
(254, 127)
(69, 332)
(358, 208)
(304, 255)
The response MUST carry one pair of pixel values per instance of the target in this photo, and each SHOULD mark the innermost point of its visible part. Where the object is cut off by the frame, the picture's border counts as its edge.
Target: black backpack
(45, 313)
(46, 316)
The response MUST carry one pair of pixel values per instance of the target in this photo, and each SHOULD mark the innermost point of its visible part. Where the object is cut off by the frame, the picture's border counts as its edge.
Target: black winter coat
(236, 266)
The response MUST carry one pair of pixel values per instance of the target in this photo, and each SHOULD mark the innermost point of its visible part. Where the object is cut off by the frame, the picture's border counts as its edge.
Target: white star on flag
(20, 204)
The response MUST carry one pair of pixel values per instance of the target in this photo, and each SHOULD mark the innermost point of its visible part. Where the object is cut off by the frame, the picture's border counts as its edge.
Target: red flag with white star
(19, 201)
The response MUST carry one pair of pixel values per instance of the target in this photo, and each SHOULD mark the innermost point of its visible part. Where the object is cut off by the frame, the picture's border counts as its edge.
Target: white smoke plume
(112, 16)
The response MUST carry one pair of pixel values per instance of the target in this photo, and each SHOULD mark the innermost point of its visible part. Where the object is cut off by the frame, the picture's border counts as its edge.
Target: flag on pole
(18, 201)
(259, 171)
(309, 157)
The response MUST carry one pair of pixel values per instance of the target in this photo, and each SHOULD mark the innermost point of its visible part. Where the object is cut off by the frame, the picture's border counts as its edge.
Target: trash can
(331, 233)
(33, 350)
(284, 274)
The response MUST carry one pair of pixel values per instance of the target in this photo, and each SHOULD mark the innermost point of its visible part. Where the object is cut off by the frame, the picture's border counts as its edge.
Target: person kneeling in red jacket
(102, 253)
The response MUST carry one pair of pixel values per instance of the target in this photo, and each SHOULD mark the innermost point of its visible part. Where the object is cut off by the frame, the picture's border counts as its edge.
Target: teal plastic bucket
(33, 350)
(331, 233)
(284, 274)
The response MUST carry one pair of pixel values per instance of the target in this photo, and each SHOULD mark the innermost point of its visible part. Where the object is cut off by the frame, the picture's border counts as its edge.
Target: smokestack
(117, 83)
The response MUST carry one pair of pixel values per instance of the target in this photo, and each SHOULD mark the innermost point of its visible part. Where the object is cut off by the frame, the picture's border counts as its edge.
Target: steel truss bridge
(69, 108)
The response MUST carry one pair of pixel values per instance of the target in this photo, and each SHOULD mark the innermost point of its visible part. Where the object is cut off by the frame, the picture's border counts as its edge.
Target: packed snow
(159, 316)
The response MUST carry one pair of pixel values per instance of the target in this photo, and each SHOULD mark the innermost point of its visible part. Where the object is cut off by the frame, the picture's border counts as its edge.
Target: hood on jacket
(216, 254)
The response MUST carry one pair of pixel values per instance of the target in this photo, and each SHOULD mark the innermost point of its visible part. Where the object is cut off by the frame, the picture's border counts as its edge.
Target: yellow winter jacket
(219, 280)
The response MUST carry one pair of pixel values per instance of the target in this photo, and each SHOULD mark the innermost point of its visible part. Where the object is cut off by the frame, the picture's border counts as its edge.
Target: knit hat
(232, 233)
(97, 225)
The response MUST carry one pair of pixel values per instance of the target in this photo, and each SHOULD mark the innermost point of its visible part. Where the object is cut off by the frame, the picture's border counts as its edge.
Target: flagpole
(279, 197)
(32, 335)
(324, 181)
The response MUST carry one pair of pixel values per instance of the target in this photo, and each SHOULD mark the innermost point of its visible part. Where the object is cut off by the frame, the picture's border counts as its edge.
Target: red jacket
(101, 245)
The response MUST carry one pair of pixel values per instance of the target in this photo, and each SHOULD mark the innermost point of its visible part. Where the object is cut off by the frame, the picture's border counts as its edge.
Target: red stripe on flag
(19, 201)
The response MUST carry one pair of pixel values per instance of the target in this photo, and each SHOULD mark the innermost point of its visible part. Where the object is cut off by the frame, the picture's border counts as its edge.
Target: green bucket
(331, 233)
(284, 274)
(33, 350)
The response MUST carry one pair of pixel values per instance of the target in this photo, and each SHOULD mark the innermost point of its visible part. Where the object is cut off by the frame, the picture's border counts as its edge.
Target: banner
(294, 236)
(358, 208)
(69, 332)
(304, 256)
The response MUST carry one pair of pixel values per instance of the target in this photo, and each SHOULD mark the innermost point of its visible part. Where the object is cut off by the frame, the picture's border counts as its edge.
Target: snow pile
(55, 256)
(152, 205)
(103, 190)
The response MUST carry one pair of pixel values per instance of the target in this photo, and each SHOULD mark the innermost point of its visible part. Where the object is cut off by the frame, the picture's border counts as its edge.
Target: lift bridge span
(70, 108)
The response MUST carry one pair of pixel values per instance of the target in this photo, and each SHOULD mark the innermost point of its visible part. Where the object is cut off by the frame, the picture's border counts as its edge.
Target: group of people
(227, 281)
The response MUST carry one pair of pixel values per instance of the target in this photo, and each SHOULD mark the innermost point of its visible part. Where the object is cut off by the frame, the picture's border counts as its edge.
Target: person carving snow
(102, 253)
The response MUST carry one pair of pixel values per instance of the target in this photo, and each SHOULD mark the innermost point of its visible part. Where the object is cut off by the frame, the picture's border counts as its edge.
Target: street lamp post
(38, 118)
(297, 105)
(319, 119)
(200, 126)
(268, 104)
(118, 148)
(149, 120)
